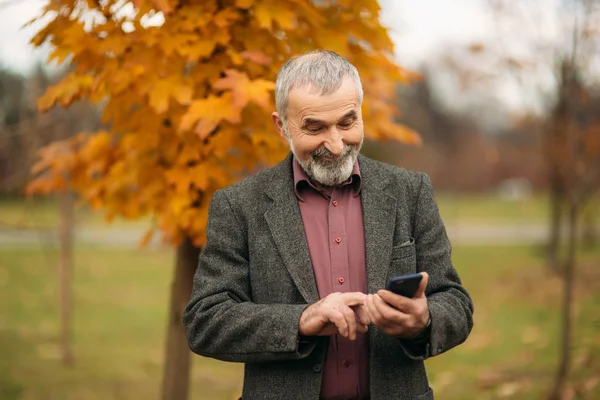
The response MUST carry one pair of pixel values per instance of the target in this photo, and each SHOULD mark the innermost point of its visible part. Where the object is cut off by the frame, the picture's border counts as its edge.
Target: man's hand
(342, 313)
(397, 315)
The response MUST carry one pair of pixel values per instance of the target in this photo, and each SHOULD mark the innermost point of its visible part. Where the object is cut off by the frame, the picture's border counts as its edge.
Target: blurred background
(508, 110)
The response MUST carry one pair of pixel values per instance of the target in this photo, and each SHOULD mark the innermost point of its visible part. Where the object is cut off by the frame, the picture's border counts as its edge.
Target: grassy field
(42, 213)
(455, 208)
(120, 312)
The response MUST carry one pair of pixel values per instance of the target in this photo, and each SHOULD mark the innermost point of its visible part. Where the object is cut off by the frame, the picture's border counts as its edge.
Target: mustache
(323, 152)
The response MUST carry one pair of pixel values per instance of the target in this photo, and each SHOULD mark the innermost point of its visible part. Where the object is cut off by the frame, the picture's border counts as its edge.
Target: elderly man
(291, 279)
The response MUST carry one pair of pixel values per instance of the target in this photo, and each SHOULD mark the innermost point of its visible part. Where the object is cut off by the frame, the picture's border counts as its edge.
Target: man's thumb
(422, 285)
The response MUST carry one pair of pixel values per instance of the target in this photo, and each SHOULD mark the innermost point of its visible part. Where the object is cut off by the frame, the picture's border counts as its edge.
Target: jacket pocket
(406, 249)
(404, 260)
(428, 395)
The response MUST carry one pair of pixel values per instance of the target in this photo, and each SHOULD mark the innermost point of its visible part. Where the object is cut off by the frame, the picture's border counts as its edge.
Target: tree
(551, 53)
(11, 107)
(21, 130)
(577, 160)
(186, 89)
(572, 147)
(555, 42)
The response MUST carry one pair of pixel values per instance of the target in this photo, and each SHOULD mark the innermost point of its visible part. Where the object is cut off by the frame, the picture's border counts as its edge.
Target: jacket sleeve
(221, 321)
(450, 306)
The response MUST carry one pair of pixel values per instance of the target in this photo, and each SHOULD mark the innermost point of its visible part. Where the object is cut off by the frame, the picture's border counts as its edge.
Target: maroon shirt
(333, 224)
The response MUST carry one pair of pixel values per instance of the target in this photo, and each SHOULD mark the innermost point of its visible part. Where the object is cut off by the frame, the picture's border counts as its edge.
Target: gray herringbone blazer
(255, 278)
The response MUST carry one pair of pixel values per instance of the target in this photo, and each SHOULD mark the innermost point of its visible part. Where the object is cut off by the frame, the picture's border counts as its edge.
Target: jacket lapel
(285, 222)
(287, 229)
(379, 219)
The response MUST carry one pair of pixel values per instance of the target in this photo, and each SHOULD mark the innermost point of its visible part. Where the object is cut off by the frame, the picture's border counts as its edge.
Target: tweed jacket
(255, 278)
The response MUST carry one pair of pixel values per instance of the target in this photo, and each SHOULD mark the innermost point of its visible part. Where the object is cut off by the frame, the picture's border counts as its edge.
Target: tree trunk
(556, 206)
(176, 374)
(567, 304)
(589, 235)
(65, 271)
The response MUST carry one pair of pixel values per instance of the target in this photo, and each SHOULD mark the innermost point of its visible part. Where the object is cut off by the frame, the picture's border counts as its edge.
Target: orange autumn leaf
(188, 98)
(257, 57)
(244, 90)
(244, 3)
(161, 5)
(162, 90)
(208, 113)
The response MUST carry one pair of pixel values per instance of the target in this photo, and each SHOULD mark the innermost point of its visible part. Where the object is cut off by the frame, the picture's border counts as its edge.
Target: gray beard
(331, 173)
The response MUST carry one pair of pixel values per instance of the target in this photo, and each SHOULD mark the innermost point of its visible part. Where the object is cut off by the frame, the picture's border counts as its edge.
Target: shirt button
(347, 363)
(335, 203)
(338, 240)
(341, 279)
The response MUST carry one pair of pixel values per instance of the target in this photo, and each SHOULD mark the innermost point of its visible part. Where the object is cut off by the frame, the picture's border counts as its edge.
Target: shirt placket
(338, 245)
(340, 282)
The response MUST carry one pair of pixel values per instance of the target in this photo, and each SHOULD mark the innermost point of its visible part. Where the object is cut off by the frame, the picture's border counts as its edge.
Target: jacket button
(317, 367)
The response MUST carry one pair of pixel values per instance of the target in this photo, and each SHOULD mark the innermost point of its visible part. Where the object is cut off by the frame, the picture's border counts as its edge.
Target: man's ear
(278, 122)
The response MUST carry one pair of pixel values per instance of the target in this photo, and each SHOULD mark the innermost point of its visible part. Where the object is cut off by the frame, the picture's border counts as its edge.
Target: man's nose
(335, 142)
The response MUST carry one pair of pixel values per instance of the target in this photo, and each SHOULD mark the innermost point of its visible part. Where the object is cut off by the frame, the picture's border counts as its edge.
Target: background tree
(560, 45)
(186, 92)
(22, 130)
(577, 159)
(567, 60)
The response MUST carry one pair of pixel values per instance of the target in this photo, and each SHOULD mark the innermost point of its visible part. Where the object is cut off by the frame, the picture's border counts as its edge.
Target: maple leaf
(245, 4)
(267, 13)
(257, 57)
(161, 5)
(208, 113)
(147, 237)
(200, 176)
(244, 90)
(65, 92)
(227, 16)
(206, 72)
(401, 133)
(164, 89)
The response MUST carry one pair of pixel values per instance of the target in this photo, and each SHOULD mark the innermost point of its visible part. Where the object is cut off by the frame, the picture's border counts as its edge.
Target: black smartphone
(405, 285)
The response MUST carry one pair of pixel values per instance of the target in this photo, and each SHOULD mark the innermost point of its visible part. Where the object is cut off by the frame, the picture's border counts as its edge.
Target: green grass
(513, 349)
(455, 208)
(120, 315)
(491, 209)
(118, 333)
(42, 213)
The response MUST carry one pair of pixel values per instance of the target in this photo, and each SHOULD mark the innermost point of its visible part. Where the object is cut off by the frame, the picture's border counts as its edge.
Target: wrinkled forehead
(308, 99)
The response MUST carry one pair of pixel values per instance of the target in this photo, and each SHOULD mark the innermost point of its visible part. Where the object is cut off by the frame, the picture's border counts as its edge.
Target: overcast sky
(418, 27)
(15, 51)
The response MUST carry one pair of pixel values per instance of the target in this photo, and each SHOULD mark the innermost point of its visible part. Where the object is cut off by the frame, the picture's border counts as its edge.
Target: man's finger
(422, 286)
(340, 322)
(350, 321)
(390, 314)
(402, 303)
(353, 298)
(374, 314)
(362, 314)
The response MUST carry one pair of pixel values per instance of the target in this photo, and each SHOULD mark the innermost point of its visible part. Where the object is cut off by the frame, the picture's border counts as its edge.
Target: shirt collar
(302, 179)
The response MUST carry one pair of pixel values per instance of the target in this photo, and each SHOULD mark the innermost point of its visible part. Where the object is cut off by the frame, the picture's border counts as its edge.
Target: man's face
(325, 133)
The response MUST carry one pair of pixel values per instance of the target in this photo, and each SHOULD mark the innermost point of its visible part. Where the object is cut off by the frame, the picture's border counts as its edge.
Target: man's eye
(315, 129)
(346, 124)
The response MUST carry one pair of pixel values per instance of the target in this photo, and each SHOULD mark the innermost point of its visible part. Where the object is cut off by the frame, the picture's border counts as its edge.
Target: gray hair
(322, 70)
